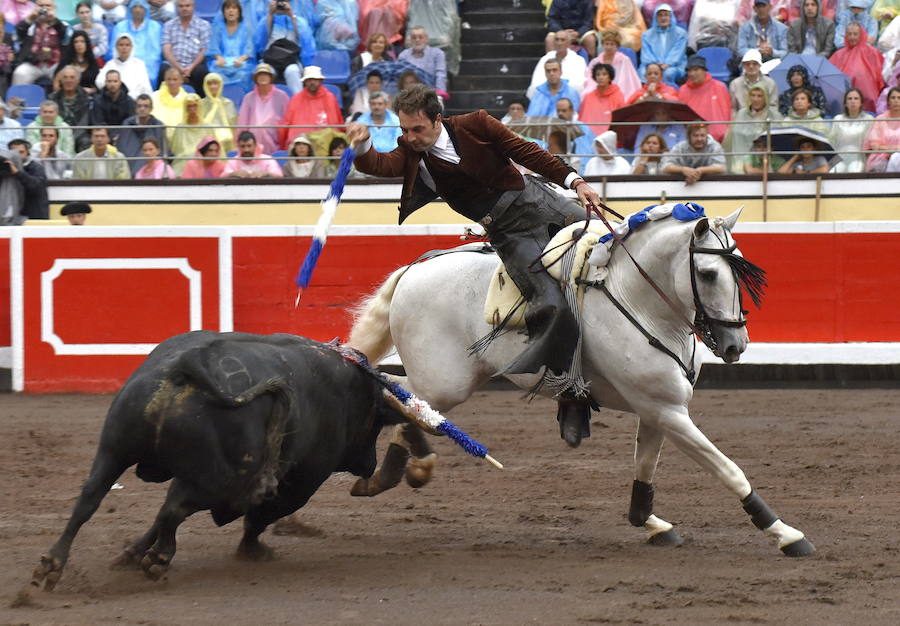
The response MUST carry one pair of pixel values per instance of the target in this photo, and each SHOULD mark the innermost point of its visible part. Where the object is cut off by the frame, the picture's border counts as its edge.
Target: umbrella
(649, 111)
(540, 127)
(390, 74)
(822, 73)
(788, 140)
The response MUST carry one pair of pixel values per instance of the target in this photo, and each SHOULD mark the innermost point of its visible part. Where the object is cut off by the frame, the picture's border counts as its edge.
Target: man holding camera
(284, 41)
(31, 175)
(42, 37)
(185, 42)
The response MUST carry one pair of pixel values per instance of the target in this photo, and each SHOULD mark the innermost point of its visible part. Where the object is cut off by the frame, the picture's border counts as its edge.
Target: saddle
(504, 303)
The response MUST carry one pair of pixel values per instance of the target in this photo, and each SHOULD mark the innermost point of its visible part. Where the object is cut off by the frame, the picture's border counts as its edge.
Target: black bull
(245, 425)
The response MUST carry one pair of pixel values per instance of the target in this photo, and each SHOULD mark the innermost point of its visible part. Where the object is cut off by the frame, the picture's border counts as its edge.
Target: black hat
(75, 207)
(696, 61)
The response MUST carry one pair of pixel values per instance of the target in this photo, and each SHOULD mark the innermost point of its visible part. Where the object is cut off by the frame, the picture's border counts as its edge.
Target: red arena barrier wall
(88, 304)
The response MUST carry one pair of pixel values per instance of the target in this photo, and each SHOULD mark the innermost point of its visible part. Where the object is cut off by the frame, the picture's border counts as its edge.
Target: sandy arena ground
(545, 541)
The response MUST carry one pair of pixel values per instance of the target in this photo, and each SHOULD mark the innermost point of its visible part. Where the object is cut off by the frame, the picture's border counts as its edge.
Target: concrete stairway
(499, 52)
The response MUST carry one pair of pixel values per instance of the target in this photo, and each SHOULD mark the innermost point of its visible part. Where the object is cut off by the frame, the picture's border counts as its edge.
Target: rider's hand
(587, 194)
(357, 133)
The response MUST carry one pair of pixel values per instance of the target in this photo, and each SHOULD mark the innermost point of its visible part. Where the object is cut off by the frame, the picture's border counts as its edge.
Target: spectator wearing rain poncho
(218, 111)
(208, 164)
(798, 78)
(382, 16)
(231, 50)
(856, 11)
(682, 10)
(132, 70)
(862, 62)
(264, 106)
(626, 75)
(707, 96)
(665, 42)
(607, 162)
(284, 23)
(884, 11)
(803, 114)
(741, 135)
(848, 132)
(339, 25)
(811, 33)
(146, 34)
(713, 23)
(440, 18)
(623, 17)
(189, 133)
(545, 97)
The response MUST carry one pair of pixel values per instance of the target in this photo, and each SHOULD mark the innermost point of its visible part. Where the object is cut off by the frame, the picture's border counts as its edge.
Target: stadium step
(493, 50)
(476, 82)
(500, 47)
(499, 67)
(503, 33)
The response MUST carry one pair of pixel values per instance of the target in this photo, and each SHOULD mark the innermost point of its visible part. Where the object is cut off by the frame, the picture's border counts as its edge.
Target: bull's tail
(371, 332)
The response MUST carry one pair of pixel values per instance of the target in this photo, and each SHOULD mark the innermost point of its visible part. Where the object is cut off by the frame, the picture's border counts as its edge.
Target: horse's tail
(371, 332)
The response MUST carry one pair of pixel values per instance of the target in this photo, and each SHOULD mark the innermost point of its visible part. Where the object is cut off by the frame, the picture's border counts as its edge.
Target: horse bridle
(703, 323)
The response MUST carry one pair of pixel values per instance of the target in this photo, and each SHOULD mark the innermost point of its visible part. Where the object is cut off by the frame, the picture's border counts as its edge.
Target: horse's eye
(708, 276)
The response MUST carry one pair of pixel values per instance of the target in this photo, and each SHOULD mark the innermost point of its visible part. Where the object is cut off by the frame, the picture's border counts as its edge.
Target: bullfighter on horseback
(467, 161)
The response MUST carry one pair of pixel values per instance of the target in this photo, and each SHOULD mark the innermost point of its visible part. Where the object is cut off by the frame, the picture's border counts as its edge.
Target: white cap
(752, 55)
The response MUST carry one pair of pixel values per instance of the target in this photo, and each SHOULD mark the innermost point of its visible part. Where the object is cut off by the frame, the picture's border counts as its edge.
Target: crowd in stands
(718, 58)
(156, 89)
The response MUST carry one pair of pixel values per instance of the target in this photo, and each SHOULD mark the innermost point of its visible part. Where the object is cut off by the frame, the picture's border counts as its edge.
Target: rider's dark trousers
(519, 231)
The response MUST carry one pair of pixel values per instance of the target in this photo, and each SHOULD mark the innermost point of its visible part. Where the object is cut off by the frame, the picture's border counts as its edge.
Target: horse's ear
(732, 219)
(701, 228)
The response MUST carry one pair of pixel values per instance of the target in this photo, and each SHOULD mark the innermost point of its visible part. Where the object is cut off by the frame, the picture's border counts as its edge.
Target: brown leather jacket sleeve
(384, 164)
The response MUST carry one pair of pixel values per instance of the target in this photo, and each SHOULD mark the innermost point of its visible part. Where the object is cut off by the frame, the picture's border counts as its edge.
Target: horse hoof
(419, 471)
(154, 565)
(666, 538)
(48, 573)
(801, 547)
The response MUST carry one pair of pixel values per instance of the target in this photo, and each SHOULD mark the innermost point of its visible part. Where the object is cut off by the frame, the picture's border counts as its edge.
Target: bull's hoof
(420, 470)
(366, 487)
(254, 551)
(155, 565)
(47, 572)
(666, 538)
(801, 547)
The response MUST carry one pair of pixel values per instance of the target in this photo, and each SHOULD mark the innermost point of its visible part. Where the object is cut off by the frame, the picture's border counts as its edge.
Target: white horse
(433, 312)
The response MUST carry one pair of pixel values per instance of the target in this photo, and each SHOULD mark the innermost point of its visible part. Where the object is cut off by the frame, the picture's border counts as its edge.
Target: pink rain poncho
(258, 110)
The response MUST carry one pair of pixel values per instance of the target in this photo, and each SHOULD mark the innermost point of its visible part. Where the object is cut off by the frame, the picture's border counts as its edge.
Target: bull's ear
(732, 219)
(701, 228)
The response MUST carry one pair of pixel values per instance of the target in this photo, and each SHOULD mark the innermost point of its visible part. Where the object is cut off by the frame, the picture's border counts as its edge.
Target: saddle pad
(503, 294)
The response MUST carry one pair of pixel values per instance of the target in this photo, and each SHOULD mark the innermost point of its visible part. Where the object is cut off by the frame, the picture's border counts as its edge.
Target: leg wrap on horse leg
(760, 513)
(641, 503)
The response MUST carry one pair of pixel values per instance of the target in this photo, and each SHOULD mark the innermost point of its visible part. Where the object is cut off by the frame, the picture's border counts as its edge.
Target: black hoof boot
(574, 418)
(801, 547)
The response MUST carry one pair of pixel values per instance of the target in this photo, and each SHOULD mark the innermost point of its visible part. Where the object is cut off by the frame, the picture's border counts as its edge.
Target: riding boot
(574, 416)
(553, 334)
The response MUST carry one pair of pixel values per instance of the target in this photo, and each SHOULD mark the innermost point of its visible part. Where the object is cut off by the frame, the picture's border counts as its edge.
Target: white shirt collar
(443, 141)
